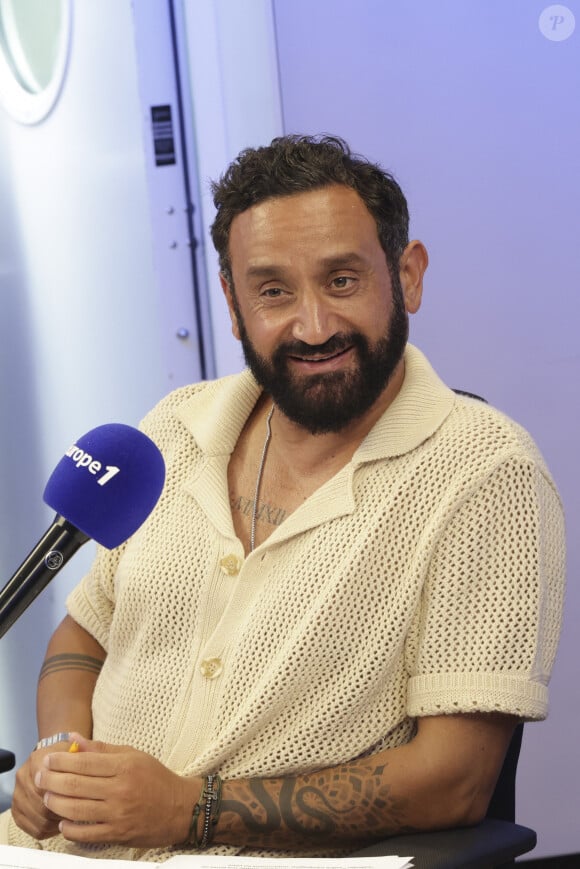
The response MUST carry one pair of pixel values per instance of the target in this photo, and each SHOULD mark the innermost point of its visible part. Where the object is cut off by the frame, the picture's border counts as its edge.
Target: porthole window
(34, 46)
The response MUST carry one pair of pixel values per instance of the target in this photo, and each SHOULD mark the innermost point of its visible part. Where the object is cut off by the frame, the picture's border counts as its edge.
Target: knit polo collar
(420, 407)
(216, 414)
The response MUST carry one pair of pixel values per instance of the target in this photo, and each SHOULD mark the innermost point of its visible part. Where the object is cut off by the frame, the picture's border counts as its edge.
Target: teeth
(320, 358)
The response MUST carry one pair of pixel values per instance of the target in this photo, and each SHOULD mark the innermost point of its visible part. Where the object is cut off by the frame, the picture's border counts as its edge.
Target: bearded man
(350, 591)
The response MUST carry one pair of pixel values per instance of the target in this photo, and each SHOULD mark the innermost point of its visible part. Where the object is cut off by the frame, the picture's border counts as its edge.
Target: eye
(272, 292)
(342, 282)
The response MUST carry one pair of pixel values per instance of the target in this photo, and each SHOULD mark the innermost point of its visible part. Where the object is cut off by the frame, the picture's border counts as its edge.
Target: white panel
(173, 231)
(79, 332)
(236, 103)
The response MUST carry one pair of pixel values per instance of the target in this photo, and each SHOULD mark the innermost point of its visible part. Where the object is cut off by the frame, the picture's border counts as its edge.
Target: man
(351, 588)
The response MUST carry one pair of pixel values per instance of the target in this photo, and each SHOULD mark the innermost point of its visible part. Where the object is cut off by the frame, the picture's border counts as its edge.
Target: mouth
(321, 362)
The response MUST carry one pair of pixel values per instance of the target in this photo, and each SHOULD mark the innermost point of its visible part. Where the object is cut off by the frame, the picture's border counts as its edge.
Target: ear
(231, 307)
(412, 267)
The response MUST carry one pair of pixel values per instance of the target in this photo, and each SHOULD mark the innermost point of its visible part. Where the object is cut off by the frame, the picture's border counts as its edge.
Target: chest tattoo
(266, 512)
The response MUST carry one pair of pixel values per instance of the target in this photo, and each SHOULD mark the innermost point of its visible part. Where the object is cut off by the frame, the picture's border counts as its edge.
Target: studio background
(108, 283)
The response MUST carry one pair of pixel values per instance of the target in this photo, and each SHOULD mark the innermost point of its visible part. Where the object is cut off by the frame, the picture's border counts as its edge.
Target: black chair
(494, 843)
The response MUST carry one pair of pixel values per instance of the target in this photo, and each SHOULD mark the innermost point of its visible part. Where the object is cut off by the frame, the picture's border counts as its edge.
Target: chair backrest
(503, 802)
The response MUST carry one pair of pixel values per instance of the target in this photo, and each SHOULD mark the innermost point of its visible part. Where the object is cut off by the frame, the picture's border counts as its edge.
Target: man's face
(322, 325)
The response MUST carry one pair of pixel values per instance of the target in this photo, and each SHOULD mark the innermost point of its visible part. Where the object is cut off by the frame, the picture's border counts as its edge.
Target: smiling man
(350, 591)
(314, 287)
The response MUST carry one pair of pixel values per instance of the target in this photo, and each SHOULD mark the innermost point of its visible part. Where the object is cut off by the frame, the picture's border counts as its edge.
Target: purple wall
(475, 111)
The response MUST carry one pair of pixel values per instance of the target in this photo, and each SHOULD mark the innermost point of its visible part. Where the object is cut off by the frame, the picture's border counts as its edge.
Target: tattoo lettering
(58, 663)
(242, 505)
(271, 515)
(265, 513)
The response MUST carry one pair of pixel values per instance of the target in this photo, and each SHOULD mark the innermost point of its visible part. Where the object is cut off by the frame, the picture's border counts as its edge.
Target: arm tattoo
(57, 663)
(339, 806)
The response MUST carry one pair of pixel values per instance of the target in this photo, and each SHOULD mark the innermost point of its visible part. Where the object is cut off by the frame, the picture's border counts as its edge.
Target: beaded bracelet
(213, 793)
(210, 803)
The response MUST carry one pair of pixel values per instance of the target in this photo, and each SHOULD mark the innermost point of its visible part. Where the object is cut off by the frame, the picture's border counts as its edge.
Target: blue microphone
(104, 487)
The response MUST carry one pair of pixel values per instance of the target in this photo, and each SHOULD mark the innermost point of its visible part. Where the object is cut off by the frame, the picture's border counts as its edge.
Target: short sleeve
(485, 635)
(91, 603)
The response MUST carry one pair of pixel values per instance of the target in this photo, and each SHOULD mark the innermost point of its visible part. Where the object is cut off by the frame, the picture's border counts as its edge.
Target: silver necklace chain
(259, 480)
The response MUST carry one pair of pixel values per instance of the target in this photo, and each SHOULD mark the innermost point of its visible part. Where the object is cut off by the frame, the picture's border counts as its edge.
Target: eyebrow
(264, 271)
(330, 263)
(343, 260)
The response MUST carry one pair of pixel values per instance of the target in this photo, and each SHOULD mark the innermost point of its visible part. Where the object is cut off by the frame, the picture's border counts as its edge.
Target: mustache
(335, 344)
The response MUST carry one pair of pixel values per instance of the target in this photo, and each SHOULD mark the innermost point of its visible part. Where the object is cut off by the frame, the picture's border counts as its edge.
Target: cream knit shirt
(425, 578)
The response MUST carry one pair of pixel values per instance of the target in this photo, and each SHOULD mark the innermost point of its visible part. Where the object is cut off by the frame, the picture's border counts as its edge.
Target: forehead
(322, 222)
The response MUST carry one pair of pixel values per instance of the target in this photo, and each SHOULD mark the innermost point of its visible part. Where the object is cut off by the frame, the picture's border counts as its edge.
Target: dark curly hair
(296, 164)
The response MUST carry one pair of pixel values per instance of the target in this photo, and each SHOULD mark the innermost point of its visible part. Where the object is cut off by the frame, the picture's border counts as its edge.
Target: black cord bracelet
(210, 804)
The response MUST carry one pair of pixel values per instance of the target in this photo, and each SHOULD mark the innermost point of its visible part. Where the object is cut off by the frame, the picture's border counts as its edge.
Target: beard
(325, 403)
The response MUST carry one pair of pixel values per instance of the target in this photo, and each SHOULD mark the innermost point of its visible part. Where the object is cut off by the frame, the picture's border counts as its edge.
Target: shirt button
(210, 668)
(230, 565)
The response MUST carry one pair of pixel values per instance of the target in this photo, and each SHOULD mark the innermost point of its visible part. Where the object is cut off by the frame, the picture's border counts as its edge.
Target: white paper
(198, 861)
(28, 858)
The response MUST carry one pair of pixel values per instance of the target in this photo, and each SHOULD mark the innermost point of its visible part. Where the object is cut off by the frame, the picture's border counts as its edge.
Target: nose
(313, 321)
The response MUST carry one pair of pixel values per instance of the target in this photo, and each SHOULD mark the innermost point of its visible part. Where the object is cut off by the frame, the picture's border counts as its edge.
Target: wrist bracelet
(213, 793)
(209, 804)
(51, 740)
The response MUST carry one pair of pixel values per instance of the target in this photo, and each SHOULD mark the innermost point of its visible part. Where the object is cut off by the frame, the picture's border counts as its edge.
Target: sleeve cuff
(455, 693)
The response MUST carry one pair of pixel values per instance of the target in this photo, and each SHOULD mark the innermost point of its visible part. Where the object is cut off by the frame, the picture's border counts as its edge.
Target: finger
(73, 785)
(38, 827)
(27, 800)
(87, 763)
(95, 745)
(28, 809)
(26, 775)
(35, 819)
(85, 833)
(81, 811)
(30, 804)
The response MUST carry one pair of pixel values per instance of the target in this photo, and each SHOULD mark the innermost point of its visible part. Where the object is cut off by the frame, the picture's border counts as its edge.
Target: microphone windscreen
(107, 483)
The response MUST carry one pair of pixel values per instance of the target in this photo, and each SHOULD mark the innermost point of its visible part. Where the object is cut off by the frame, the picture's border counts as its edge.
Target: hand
(116, 795)
(28, 809)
